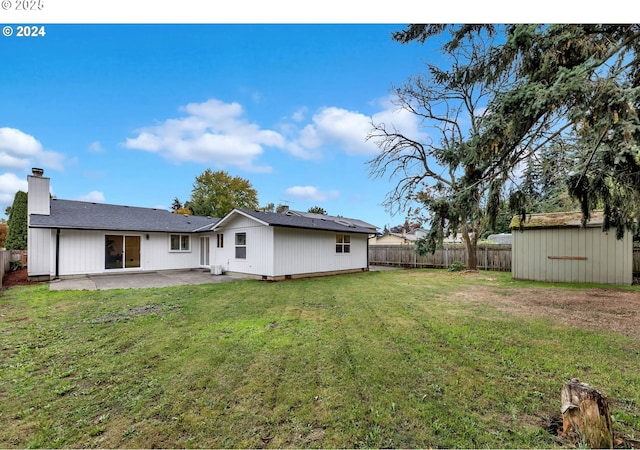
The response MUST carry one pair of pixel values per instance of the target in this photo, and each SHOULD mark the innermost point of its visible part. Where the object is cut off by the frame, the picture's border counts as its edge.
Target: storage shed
(555, 247)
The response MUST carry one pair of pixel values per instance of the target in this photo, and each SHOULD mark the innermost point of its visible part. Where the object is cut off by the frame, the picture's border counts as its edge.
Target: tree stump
(585, 416)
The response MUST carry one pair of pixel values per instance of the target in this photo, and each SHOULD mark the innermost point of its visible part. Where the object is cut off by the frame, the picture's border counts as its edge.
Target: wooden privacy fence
(5, 257)
(490, 256)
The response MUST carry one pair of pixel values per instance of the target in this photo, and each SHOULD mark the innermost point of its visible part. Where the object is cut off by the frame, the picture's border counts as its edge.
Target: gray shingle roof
(284, 220)
(358, 222)
(99, 216)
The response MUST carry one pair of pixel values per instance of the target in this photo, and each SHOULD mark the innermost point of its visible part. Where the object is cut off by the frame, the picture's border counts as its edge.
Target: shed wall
(572, 255)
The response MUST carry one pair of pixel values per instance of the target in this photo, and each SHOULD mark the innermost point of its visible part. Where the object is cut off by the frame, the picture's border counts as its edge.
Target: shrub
(15, 264)
(456, 266)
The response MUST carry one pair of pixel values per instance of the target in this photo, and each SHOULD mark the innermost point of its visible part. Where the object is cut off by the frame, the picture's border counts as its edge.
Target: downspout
(367, 253)
(57, 275)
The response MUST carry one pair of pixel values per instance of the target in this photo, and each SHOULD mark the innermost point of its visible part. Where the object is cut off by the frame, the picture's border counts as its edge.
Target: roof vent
(37, 172)
(344, 222)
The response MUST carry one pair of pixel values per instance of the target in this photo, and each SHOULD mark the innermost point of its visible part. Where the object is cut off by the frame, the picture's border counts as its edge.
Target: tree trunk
(472, 249)
(585, 416)
(472, 256)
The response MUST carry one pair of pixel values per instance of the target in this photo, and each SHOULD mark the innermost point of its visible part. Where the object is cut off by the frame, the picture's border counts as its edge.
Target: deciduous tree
(3, 234)
(217, 193)
(439, 168)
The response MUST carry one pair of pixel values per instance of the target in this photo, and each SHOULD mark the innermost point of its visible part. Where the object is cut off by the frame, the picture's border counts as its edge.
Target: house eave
(124, 230)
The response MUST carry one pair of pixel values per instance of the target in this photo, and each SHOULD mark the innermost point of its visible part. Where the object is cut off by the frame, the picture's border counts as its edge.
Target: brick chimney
(38, 192)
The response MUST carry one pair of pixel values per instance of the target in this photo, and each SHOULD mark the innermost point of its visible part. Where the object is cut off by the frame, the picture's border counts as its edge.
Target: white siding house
(69, 238)
(275, 246)
(556, 248)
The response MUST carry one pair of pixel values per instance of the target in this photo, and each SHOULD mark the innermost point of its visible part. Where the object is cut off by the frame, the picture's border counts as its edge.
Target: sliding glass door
(121, 252)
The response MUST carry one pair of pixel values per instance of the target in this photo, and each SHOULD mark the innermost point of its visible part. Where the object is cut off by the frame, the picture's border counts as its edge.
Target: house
(556, 247)
(275, 246)
(69, 238)
(403, 236)
(394, 239)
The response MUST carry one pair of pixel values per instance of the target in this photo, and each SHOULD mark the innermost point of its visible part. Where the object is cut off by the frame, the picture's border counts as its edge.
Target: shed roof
(292, 221)
(73, 214)
(558, 220)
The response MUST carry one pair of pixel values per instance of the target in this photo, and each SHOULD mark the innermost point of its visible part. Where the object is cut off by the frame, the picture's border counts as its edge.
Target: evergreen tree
(176, 205)
(573, 83)
(317, 210)
(17, 223)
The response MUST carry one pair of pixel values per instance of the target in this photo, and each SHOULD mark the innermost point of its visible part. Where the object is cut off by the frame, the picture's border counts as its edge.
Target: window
(180, 243)
(241, 245)
(220, 240)
(343, 243)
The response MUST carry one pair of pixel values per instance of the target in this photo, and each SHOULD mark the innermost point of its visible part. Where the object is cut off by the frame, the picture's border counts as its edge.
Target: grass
(379, 359)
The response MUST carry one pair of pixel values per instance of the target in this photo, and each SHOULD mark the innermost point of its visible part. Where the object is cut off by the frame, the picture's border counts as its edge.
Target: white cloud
(95, 147)
(212, 132)
(348, 130)
(298, 116)
(93, 196)
(398, 119)
(19, 150)
(312, 193)
(9, 185)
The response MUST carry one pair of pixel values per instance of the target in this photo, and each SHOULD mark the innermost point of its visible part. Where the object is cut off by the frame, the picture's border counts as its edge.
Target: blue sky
(121, 106)
(131, 114)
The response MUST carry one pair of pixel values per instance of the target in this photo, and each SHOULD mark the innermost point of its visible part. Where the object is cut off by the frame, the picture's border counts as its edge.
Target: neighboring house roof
(99, 216)
(393, 239)
(292, 221)
(557, 220)
(360, 223)
(407, 236)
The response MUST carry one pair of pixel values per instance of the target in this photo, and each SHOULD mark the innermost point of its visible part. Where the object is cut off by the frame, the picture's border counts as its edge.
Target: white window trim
(180, 250)
(237, 246)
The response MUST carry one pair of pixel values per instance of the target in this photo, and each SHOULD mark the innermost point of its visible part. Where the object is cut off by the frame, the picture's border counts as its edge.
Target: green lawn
(379, 359)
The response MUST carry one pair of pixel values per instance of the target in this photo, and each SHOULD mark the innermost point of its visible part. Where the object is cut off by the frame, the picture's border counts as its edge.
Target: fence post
(486, 259)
